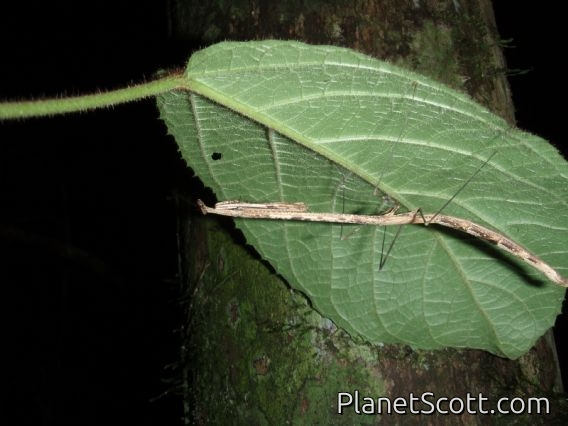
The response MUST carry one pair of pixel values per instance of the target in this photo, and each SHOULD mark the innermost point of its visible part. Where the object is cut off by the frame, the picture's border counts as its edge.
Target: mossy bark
(255, 352)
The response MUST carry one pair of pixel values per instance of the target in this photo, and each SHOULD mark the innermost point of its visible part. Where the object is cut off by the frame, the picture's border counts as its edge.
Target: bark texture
(255, 352)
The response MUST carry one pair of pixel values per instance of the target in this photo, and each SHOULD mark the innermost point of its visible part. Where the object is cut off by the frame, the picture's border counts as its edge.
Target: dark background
(87, 226)
(87, 229)
(536, 35)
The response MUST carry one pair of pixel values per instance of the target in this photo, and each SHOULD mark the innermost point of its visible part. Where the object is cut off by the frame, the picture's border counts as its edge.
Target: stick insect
(299, 212)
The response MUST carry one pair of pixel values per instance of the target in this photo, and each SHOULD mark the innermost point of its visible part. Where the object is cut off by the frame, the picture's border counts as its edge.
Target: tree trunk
(255, 352)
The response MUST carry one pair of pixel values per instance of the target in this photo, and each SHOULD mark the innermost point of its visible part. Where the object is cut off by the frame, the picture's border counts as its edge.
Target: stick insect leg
(342, 204)
(387, 199)
(426, 223)
(384, 257)
(343, 184)
(343, 187)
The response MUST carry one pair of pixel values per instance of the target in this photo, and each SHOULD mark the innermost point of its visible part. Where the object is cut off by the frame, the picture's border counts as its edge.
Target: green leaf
(284, 121)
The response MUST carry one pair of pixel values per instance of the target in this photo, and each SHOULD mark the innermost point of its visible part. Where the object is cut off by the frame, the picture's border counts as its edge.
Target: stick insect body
(298, 212)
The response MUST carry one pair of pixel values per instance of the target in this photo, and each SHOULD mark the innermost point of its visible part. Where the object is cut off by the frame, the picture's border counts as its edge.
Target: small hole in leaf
(216, 156)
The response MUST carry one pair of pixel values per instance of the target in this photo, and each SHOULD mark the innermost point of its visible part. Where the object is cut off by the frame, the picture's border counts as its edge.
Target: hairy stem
(48, 107)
